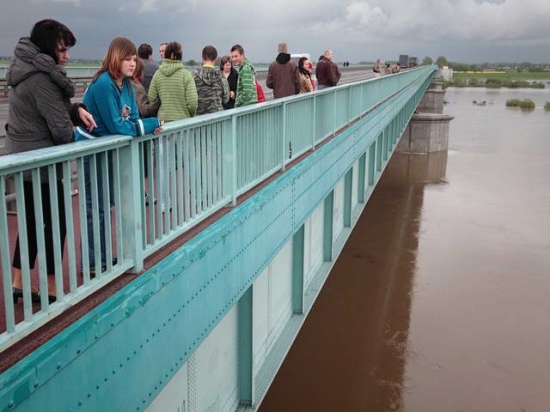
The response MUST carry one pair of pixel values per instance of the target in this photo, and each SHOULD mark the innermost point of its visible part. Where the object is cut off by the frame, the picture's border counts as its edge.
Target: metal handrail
(189, 171)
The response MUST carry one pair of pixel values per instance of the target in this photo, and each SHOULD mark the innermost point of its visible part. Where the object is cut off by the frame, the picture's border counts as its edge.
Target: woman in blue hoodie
(111, 99)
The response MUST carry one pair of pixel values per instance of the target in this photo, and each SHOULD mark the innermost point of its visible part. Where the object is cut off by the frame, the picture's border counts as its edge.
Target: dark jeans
(145, 155)
(48, 228)
(102, 213)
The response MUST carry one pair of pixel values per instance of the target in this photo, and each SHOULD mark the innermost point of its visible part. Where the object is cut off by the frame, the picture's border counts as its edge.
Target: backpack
(260, 91)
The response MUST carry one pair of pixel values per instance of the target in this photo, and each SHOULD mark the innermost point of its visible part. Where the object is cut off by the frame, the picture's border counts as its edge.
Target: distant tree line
(504, 66)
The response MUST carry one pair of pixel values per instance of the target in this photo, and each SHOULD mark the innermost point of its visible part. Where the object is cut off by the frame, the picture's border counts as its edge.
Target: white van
(297, 56)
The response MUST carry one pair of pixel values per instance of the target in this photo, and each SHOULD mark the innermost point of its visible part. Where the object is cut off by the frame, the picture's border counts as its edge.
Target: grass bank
(528, 76)
(534, 80)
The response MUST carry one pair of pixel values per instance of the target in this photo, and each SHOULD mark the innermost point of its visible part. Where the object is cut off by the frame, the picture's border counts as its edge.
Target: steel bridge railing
(120, 199)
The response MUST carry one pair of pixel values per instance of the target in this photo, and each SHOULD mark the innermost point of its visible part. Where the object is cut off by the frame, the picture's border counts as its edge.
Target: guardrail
(152, 189)
(81, 83)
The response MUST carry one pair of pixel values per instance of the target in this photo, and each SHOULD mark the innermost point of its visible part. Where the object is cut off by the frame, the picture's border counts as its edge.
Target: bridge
(247, 211)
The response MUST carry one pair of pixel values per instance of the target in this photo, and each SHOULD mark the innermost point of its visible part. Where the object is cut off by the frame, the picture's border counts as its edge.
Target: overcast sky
(468, 31)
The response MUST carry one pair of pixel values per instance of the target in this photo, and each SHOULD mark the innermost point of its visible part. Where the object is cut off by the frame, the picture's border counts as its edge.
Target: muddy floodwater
(440, 300)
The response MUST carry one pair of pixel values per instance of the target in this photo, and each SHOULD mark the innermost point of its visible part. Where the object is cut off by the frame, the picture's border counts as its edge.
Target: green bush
(493, 83)
(547, 106)
(527, 104)
(516, 84)
(459, 83)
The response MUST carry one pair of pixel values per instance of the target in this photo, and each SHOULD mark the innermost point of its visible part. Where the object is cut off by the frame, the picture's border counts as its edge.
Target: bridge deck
(25, 346)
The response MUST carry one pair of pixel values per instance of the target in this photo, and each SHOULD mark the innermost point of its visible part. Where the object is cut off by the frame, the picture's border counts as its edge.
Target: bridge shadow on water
(351, 353)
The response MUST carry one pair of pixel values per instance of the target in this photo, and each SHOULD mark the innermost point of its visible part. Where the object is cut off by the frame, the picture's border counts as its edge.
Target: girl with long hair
(232, 76)
(306, 82)
(111, 99)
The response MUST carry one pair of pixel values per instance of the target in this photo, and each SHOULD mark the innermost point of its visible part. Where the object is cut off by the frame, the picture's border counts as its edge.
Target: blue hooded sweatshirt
(115, 111)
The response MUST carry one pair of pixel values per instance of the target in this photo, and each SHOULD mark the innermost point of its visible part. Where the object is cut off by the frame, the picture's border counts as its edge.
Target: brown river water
(440, 301)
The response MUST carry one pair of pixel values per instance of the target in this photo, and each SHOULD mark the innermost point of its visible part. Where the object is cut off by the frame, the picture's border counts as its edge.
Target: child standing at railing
(111, 99)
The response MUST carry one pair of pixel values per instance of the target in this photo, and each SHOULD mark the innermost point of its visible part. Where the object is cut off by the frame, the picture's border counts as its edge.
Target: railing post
(328, 227)
(132, 193)
(348, 183)
(5, 260)
(23, 243)
(349, 105)
(69, 217)
(40, 237)
(372, 163)
(334, 114)
(246, 348)
(234, 160)
(298, 272)
(361, 103)
(361, 183)
(56, 217)
(284, 153)
(314, 126)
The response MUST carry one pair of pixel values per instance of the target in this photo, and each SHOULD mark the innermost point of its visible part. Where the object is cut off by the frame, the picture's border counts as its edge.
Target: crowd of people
(388, 68)
(131, 94)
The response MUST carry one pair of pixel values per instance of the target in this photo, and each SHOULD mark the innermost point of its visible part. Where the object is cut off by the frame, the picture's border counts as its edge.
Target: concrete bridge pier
(428, 129)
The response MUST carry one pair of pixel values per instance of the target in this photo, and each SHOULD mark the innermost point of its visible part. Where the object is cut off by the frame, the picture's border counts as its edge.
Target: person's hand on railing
(87, 119)
(159, 129)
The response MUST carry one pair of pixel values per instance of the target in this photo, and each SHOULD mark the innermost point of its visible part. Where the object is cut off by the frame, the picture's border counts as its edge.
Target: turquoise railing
(163, 185)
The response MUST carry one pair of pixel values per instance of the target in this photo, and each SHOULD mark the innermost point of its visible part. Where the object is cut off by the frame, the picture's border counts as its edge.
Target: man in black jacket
(145, 53)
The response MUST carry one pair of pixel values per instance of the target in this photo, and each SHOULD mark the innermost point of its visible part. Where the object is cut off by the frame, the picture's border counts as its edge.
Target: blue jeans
(101, 209)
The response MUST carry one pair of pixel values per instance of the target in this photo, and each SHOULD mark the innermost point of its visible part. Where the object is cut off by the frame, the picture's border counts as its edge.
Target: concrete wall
(432, 102)
(426, 133)
(428, 130)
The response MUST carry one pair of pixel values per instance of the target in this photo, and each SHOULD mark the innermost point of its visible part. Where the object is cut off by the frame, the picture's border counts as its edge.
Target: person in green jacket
(175, 86)
(246, 83)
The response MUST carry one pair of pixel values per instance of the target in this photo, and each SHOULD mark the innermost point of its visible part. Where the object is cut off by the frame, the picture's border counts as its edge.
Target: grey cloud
(462, 30)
